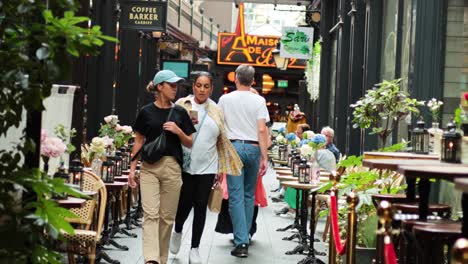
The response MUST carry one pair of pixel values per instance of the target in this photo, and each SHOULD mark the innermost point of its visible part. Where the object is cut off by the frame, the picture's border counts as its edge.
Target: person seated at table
(326, 161)
(329, 133)
(301, 129)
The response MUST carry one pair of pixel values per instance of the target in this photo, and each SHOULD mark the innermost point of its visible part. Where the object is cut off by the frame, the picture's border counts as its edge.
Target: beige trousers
(160, 185)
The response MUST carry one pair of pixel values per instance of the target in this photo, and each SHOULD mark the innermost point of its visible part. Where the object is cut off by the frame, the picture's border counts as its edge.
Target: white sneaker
(288, 215)
(174, 245)
(194, 256)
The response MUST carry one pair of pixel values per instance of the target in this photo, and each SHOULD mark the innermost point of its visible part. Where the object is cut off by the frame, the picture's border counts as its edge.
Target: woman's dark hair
(199, 74)
(151, 88)
(305, 127)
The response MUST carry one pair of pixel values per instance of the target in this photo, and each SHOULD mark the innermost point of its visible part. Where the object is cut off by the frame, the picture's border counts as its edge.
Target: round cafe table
(305, 189)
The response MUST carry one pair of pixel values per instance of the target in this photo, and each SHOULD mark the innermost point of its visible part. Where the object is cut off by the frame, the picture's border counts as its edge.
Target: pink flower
(108, 141)
(43, 135)
(118, 127)
(466, 96)
(127, 129)
(52, 147)
(111, 119)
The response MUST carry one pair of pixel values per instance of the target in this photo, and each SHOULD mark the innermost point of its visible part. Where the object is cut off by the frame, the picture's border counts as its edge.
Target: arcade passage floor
(267, 245)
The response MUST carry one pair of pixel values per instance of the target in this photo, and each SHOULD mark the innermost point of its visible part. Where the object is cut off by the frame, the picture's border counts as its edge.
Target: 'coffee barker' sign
(144, 15)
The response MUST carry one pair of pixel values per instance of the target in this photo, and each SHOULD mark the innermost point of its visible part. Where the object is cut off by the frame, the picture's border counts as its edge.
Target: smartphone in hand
(194, 115)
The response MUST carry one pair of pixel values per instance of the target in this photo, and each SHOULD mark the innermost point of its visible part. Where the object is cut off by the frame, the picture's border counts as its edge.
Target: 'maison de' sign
(144, 15)
(250, 49)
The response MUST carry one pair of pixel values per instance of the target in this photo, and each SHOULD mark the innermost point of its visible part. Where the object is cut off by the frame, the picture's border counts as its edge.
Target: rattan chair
(84, 241)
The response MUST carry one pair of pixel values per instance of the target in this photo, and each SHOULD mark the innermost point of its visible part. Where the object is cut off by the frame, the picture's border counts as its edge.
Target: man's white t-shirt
(204, 152)
(242, 110)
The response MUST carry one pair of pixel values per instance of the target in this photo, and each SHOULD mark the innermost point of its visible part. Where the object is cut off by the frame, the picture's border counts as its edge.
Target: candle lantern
(451, 145)
(117, 163)
(302, 171)
(420, 138)
(291, 157)
(123, 152)
(76, 173)
(107, 171)
(282, 152)
(295, 166)
(61, 174)
(307, 173)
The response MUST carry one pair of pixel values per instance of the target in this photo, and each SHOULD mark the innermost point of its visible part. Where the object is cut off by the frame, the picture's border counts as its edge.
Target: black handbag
(156, 149)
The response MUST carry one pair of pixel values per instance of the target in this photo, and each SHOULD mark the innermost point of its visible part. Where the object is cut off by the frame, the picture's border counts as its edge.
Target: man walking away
(245, 116)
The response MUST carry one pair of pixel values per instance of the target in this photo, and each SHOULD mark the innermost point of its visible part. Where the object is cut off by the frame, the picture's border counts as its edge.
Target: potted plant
(365, 183)
(382, 108)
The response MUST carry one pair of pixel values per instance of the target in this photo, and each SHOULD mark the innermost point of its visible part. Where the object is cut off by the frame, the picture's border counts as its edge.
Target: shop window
(456, 56)
(389, 40)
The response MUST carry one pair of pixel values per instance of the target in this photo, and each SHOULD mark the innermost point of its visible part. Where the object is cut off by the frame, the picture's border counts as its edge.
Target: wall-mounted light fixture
(281, 63)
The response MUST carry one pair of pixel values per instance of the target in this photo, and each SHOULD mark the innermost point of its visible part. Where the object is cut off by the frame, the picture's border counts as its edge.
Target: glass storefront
(389, 39)
(456, 56)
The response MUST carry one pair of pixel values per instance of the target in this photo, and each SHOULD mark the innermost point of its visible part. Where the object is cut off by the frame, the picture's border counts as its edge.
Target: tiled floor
(267, 246)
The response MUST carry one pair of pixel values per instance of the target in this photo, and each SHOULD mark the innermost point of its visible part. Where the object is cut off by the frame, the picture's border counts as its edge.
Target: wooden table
(285, 172)
(305, 189)
(281, 162)
(397, 155)
(71, 202)
(286, 178)
(462, 184)
(393, 164)
(114, 189)
(447, 171)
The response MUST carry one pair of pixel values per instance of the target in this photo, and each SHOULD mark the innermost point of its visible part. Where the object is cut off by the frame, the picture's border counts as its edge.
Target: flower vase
(314, 170)
(96, 166)
(46, 164)
(435, 137)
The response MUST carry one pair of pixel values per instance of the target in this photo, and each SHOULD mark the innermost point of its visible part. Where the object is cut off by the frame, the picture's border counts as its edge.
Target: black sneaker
(241, 251)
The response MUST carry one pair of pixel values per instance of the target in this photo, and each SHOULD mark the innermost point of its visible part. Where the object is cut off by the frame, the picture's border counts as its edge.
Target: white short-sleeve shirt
(242, 110)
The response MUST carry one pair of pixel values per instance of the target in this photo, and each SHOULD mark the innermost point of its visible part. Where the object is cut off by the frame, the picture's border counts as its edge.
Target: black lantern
(420, 138)
(295, 166)
(307, 173)
(302, 171)
(61, 174)
(118, 163)
(451, 145)
(291, 156)
(125, 158)
(76, 173)
(107, 171)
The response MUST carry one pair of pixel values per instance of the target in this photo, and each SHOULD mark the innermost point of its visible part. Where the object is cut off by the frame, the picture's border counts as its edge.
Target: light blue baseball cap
(166, 76)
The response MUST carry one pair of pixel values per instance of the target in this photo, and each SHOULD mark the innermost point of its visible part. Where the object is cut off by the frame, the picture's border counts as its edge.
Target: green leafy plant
(365, 183)
(36, 45)
(66, 136)
(382, 107)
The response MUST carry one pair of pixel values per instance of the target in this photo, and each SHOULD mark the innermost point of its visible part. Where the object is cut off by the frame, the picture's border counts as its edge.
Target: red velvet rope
(389, 251)
(340, 248)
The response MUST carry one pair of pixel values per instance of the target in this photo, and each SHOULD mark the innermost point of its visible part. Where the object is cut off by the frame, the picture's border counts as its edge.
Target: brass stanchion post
(460, 252)
(352, 200)
(385, 213)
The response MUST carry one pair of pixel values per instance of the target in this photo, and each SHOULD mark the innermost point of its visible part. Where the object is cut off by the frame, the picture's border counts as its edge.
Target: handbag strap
(167, 119)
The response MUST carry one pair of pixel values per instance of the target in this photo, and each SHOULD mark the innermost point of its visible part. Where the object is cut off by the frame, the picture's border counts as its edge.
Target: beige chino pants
(160, 190)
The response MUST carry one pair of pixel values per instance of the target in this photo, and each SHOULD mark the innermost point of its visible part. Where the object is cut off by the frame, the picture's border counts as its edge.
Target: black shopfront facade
(367, 41)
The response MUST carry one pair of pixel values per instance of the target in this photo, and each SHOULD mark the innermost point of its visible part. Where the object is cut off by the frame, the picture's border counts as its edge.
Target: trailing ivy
(36, 43)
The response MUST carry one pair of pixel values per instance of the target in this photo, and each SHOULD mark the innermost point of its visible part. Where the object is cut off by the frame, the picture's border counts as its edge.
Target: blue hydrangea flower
(319, 139)
(282, 130)
(290, 137)
(304, 142)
